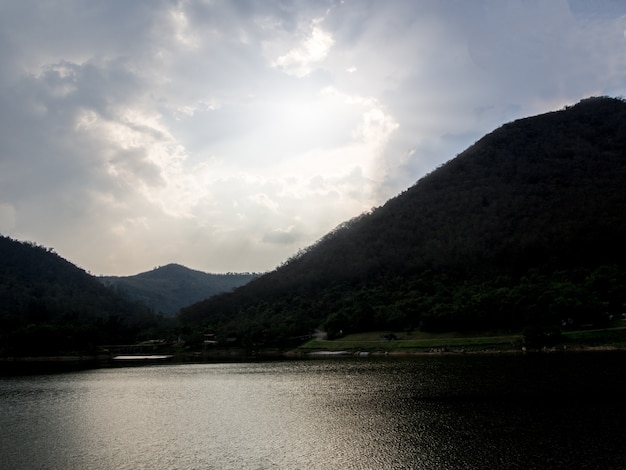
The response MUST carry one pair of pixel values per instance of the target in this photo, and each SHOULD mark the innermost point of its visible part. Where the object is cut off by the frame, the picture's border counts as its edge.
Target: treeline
(439, 302)
(429, 301)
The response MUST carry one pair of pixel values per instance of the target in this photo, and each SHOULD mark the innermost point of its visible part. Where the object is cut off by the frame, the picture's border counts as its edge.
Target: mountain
(169, 288)
(525, 227)
(49, 306)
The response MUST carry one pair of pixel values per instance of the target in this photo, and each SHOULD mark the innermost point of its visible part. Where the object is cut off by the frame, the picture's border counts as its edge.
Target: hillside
(50, 306)
(525, 227)
(169, 288)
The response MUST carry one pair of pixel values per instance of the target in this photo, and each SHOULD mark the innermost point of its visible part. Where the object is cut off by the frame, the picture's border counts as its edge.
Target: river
(437, 412)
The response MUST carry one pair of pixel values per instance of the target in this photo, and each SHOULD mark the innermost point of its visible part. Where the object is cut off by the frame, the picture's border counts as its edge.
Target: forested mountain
(525, 227)
(50, 306)
(169, 288)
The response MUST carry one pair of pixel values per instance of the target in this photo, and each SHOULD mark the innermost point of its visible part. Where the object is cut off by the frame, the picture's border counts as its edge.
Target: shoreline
(451, 352)
(33, 365)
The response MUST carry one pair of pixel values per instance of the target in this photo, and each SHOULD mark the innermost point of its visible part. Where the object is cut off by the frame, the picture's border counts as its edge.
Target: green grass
(475, 341)
(417, 341)
(607, 337)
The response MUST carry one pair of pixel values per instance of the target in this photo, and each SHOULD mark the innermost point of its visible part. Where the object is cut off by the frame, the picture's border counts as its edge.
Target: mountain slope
(169, 288)
(525, 226)
(49, 306)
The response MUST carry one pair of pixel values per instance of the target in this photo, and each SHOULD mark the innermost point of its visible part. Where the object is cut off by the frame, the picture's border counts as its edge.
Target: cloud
(228, 135)
(300, 60)
(282, 236)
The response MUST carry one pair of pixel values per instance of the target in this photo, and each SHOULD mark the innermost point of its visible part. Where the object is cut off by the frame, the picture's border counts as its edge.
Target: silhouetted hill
(169, 288)
(525, 227)
(50, 306)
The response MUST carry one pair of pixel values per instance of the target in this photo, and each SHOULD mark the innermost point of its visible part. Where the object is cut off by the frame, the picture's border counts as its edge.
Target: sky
(226, 135)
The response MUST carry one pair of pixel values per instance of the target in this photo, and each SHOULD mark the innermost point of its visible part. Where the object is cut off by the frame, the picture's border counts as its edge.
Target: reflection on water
(425, 413)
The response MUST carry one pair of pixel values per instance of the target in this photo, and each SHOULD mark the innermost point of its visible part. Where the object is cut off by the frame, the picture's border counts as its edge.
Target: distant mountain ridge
(169, 288)
(527, 226)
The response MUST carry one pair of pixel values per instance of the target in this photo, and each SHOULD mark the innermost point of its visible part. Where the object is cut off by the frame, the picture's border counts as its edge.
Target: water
(447, 412)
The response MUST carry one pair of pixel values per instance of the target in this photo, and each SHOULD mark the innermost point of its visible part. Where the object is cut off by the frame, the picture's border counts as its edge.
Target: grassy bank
(415, 342)
(610, 337)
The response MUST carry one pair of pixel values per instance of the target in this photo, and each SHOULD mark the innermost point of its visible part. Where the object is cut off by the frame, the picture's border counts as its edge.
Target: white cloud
(181, 28)
(265, 201)
(201, 106)
(300, 60)
(288, 235)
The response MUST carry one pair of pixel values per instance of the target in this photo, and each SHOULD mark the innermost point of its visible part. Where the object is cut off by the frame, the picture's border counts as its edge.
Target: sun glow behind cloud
(227, 135)
(301, 60)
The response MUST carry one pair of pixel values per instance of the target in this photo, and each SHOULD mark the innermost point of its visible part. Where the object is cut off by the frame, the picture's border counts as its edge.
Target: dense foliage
(525, 227)
(169, 288)
(49, 306)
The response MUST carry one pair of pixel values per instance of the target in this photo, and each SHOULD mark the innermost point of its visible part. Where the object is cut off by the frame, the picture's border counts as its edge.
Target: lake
(425, 412)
